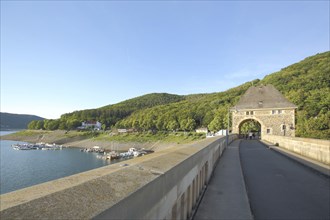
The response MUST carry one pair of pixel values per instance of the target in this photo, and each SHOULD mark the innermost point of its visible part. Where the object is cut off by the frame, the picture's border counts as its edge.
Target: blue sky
(62, 56)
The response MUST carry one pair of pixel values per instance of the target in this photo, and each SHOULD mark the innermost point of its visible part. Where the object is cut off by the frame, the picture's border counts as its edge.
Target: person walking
(250, 135)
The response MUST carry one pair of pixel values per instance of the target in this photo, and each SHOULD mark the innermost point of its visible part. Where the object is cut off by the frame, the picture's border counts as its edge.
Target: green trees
(51, 124)
(173, 125)
(215, 125)
(32, 125)
(188, 124)
(72, 124)
(306, 84)
(36, 125)
(250, 126)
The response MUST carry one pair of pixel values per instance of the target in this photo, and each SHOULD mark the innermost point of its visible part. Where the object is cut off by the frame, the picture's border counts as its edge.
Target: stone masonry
(267, 106)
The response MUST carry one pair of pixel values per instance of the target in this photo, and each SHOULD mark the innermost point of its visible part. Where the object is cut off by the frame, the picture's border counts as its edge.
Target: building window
(268, 131)
(249, 113)
(283, 128)
(277, 112)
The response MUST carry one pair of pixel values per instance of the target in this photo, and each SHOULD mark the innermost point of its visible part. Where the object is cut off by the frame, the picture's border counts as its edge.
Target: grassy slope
(63, 137)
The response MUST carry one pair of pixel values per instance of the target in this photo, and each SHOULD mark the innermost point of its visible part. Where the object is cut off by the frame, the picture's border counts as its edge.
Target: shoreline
(74, 139)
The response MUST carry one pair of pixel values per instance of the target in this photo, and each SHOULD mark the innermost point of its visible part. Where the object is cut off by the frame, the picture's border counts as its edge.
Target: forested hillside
(306, 84)
(16, 121)
(108, 115)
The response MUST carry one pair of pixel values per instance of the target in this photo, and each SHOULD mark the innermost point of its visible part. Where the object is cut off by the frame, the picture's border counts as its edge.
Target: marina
(23, 168)
(110, 154)
(37, 146)
(26, 164)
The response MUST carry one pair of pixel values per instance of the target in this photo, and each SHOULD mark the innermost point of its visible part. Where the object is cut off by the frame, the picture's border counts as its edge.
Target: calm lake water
(23, 168)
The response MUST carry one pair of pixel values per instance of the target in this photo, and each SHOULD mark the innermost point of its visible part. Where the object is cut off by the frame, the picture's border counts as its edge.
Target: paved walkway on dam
(281, 188)
(225, 196)
(274, 187)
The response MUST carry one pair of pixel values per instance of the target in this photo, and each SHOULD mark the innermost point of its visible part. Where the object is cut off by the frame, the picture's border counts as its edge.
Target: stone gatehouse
(266, 105)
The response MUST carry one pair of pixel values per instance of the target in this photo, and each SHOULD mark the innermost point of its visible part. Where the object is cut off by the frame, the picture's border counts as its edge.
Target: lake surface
(23, 168)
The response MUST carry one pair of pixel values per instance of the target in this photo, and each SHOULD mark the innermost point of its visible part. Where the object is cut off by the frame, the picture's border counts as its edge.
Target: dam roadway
(276, 187)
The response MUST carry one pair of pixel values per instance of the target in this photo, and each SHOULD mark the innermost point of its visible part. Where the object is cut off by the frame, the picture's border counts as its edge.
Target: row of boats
(37, 146)
(132, 152)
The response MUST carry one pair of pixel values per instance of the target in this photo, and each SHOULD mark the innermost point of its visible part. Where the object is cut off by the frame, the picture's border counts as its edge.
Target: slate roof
(259, 97)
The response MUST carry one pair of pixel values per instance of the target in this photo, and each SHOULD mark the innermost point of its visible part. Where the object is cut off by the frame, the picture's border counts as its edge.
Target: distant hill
(305, 83)
(111, 114)
(10, 121)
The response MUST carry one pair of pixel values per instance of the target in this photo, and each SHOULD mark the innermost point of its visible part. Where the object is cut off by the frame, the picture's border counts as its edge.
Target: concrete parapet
(163, 185)
(315, 149)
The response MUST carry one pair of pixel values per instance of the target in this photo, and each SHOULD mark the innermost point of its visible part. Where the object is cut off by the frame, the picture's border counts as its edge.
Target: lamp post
(227, 133)
(234, 109)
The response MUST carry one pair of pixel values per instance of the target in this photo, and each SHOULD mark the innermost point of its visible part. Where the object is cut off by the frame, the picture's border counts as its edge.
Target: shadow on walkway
(225, 196)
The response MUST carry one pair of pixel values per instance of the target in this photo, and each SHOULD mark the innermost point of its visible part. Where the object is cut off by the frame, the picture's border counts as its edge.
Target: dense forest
(306, 84)
(16, 121)
(108, 115)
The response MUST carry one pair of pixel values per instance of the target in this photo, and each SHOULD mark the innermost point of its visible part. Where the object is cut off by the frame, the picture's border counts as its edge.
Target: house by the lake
(96, 125)
(202, 130)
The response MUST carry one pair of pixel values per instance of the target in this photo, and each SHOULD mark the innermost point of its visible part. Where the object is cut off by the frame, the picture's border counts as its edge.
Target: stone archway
(250, 125)
(239, 121)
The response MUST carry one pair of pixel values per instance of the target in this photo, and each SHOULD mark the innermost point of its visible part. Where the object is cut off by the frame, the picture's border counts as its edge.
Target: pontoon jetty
(37, 146)
(109, 155)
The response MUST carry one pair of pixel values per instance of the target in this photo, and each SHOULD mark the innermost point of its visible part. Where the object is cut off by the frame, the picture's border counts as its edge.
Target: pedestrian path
(225, 196)
(280, 188)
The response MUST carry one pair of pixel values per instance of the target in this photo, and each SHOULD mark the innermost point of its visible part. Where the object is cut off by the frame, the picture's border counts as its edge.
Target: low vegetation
(62, 137)
(142, 137)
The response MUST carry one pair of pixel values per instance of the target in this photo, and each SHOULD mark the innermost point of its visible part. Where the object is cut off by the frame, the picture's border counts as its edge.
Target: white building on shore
(96, 125)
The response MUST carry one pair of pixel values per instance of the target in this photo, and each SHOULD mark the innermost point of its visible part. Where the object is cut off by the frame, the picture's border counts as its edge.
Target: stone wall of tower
(272, 121)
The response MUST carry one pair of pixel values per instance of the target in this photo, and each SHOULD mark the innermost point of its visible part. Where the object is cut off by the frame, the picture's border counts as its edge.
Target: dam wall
(164, 185)
(314, 149)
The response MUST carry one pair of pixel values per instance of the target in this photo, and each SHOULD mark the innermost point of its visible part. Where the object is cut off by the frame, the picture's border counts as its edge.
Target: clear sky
(62, 56)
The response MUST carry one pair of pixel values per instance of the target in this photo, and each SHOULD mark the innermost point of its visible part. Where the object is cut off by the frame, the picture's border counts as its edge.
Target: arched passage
(250, 126)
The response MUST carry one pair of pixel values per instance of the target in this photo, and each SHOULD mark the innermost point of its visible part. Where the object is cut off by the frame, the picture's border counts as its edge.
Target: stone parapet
(315, 149)
(163, 185)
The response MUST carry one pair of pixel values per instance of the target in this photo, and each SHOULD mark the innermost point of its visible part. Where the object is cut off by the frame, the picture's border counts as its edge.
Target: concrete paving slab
(225, 196)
